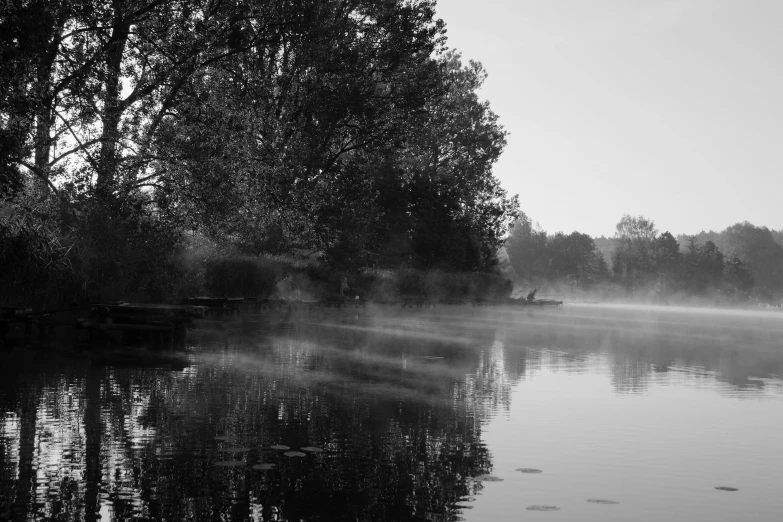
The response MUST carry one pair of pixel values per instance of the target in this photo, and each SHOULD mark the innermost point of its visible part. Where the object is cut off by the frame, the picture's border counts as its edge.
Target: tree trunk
(45, 101)
(113, 107)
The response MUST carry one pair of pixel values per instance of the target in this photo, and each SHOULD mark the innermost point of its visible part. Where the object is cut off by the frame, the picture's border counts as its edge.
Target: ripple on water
(235, 450)
(487, 478)
(726, 488)
(229, 463)
(538, 507)
(528, 470)
(601, 501)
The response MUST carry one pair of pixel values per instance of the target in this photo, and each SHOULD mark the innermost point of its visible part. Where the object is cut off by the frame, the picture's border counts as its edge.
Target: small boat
(545, 302)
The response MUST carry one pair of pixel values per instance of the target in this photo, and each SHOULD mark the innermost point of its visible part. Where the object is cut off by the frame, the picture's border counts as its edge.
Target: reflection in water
(376, 418)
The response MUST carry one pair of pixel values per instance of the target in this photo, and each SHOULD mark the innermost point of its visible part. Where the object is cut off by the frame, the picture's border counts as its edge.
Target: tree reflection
(400, 441)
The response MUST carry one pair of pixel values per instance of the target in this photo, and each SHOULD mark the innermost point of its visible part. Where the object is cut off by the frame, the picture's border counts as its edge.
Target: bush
(241, 277)
(122, 251)
(434, 285)
(125, 252)
(35, 260)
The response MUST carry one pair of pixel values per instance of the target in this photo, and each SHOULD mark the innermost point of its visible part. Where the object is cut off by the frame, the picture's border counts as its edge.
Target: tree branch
(35, 170)
(81, 145)
(73, 150)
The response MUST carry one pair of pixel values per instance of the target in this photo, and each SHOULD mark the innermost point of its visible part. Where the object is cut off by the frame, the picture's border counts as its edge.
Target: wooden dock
(217, 306)
(150, 324)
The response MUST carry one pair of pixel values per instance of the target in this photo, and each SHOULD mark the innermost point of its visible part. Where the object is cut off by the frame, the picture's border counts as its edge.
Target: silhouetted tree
(633, 261)
(703, 267)
(737, 277)
(667, 260)
(526, 247)
(575, 259)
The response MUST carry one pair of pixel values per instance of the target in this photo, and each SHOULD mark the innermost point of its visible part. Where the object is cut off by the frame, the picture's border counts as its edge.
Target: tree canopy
(343, 127)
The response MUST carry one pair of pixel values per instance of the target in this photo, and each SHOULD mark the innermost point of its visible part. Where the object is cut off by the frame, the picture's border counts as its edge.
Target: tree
(459, 212)
(756, 247)
(704, 267)
(667, 260)
(632, 261)
(288, 131)
(758, 251)
(31, 37)
(574, 258)
(527, 249)
(737, 278)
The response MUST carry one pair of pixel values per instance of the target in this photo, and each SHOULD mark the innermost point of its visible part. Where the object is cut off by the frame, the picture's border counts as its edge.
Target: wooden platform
(149, 324)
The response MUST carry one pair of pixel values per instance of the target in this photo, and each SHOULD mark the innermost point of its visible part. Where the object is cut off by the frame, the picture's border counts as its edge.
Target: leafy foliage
(537, 256)
(341, 128)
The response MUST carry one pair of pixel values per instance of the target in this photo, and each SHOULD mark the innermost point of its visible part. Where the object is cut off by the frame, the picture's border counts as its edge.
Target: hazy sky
(668, 108)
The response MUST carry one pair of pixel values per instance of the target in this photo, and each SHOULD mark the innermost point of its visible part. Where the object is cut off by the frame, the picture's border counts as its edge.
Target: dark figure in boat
(531, 299)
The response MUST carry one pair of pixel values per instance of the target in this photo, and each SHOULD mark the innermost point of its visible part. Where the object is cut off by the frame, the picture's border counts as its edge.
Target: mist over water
(628, 412)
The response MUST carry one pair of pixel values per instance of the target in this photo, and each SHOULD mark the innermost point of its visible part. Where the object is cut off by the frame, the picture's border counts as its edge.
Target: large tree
(458, 212)
(95, 80)
(274, 142)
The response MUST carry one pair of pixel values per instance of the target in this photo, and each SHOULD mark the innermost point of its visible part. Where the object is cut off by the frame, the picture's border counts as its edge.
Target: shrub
(35, 261)
(241, 277)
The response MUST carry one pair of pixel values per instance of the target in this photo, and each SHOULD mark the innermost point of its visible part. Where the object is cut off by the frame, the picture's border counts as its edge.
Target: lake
(610, 412)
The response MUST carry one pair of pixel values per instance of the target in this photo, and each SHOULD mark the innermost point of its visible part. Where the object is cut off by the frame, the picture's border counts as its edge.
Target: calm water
(403, 414)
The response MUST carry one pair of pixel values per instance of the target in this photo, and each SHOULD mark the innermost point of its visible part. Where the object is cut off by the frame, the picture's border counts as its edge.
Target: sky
(672, 109)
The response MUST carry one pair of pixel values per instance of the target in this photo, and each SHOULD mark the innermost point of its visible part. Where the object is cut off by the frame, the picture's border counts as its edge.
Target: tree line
(344, 129)
(740, 263)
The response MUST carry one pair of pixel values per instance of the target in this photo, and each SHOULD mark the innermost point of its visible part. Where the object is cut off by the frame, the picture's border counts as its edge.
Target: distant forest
(338, 130)
(742, 263)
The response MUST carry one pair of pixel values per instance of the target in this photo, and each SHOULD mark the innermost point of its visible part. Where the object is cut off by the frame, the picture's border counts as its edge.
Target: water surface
(629, 413)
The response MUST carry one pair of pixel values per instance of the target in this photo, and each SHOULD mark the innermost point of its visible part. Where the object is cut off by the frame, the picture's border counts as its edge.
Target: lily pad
(294, 454)
(264, 466)
(312, 449)
(230, 463)
(726, 488)
(538, 507)
(280, 447)
(487, 478)
(528, 470)
(601, 501)
(235, 450)
(225, 438)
